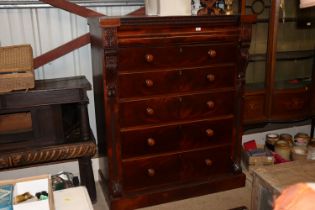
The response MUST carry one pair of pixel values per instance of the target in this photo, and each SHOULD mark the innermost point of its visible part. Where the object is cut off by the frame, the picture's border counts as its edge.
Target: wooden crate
(16, 68)
(268, 182)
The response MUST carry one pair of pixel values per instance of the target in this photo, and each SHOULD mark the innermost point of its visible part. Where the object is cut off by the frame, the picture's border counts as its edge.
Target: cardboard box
(6, 192)
(76, 198)
(32, 185)
(16, 68)
(252, 162)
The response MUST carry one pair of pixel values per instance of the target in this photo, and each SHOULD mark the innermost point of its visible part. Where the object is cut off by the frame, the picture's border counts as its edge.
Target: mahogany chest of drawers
(168, 94)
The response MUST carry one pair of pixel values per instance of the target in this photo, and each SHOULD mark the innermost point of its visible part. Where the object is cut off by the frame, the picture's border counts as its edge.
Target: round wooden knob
(149, 83)
(149, 58)
(210, 104)
(306, 88)
(208, 162)
(212, 53)
(209, 132)
(151, 172)
(150, 111)
(151, 142)
(210, 77)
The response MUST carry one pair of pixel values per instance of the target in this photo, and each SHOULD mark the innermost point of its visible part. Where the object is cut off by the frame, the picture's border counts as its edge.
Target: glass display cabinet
(280, 69)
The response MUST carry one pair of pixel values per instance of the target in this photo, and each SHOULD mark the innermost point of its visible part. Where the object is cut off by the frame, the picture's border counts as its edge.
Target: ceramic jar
(271, 139)
(282, 148)
(301, 139)
(311, 151)
(287, 137)
(299, 153)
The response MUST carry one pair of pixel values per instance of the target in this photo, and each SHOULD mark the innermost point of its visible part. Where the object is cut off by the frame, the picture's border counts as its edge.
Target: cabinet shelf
(294, 83)
(284, 55)
(286, 20)
(285, 84)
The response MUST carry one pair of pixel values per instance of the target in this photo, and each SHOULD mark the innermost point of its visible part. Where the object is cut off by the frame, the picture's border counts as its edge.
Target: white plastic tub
(168, 7)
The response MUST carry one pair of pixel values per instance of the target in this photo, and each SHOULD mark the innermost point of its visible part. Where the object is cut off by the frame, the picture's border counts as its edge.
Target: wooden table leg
(85, 128)
(87, 177)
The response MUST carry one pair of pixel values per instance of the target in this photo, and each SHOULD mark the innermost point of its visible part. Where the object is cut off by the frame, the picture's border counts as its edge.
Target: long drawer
(169, 109)
(197, 165)
(176, 137)
(291, 104)
(176, 81)
(151, 58)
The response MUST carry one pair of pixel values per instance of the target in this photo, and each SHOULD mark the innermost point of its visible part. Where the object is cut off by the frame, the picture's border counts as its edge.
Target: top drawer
(153, 58)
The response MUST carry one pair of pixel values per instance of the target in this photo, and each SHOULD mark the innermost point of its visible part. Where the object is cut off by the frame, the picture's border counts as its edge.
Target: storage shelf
(285, 55)
(286, 20)
(293, 84)
(287, 84)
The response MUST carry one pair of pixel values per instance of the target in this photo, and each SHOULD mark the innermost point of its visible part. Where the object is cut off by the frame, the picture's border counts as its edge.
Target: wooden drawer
(176, 137)
(291, 104)
(206, 163)
(151, 171)
(169, 109)
(163, 82)
(153, 58)
(148, 172)
(254, 108)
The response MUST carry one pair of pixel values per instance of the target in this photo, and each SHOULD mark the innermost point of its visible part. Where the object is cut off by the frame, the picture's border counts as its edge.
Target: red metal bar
(73, 8)
(62, 50)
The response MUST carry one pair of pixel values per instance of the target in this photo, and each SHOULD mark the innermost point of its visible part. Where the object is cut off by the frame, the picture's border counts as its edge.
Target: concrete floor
(216, 201)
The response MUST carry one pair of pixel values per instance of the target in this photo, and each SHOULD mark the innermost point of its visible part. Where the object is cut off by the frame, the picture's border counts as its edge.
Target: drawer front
(152, 58)
(174, 81)
(176, 138)
(254, 108)
(291, 105)
(206, 163)
(148, 172)
(169, 109)
(143, 173)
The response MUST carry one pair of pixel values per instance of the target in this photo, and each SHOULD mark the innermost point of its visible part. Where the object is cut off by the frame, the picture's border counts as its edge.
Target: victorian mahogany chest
(168, 94)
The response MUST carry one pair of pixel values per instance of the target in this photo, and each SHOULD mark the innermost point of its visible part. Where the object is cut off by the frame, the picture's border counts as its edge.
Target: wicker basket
(16, 68)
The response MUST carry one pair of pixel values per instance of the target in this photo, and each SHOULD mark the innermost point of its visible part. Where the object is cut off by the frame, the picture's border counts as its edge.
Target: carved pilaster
(110, 59)
(243, 56)
(111, 92)
(110, 38)
(245, 39)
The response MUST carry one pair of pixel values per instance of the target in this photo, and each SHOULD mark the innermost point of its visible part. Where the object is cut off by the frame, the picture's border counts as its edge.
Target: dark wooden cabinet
(168, 94)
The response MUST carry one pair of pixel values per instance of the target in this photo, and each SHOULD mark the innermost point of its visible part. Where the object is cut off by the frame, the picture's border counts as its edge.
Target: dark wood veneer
(170, 91)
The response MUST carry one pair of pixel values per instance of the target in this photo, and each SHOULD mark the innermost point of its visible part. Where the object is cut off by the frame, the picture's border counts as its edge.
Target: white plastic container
(168, 7)
(174, 7)
(151, 7)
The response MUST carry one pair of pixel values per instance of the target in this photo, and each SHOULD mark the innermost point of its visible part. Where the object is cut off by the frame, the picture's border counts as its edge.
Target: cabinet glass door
(295, 47)
(280, 71)
(291, 76)
(255, 89)
(256, 70)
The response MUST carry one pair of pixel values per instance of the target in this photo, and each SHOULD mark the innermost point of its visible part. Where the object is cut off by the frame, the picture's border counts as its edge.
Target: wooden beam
(62, 50)
(73, 8)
